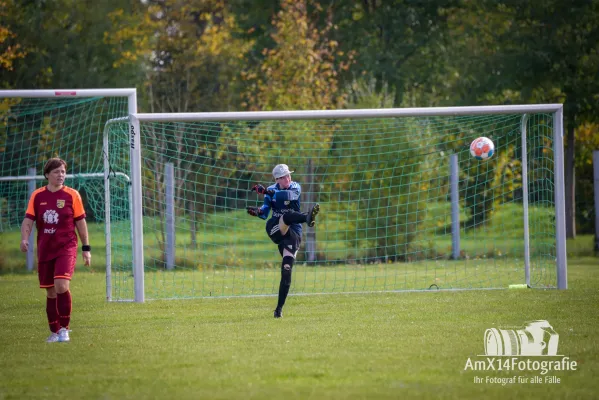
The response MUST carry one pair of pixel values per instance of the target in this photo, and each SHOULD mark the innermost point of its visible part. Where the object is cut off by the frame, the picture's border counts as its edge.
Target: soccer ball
(482, 148)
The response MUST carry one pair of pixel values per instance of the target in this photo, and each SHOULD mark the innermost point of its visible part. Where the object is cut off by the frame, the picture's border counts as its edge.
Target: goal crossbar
(339, 114)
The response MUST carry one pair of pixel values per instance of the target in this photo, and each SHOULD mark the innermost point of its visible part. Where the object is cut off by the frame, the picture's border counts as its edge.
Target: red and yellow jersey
(55, 214)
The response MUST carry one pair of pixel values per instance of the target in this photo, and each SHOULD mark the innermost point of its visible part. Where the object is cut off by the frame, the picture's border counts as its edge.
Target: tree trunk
(569, 176)
(192, 223)
(596, 192)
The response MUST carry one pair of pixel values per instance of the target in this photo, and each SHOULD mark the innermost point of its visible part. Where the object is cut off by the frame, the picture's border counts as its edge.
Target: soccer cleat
(53, 338)
(312, 214)
(278, 313)
(63, 335)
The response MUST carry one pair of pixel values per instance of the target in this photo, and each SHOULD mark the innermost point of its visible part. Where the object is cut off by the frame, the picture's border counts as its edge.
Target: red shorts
(61, 267)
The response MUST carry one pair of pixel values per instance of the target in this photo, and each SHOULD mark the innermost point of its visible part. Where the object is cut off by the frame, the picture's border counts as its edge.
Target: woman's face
(284, 181)
(56, 176)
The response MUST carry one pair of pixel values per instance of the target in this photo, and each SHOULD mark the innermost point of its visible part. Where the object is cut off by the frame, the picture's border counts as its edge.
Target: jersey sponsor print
(55, 214)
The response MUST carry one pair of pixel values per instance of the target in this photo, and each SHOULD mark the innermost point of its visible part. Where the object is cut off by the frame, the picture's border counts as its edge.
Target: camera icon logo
(537, 338)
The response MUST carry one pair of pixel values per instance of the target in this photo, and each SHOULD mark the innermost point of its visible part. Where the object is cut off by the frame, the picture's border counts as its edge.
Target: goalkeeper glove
(254, 211)
(262, 190)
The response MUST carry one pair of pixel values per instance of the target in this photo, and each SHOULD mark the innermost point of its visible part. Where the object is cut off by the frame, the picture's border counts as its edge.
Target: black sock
(294, 218)
(285, 284)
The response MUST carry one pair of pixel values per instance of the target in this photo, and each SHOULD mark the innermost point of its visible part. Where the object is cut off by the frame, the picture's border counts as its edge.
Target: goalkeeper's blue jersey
(283, 203)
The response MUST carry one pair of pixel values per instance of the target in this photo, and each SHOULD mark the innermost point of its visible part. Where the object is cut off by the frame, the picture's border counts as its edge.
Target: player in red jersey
(56, 210)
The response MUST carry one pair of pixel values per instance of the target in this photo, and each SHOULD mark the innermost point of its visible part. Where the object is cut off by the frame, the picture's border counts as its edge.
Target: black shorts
(290, 241)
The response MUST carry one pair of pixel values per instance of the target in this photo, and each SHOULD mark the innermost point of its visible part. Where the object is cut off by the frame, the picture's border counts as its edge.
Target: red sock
(64, 308)
(52, 314)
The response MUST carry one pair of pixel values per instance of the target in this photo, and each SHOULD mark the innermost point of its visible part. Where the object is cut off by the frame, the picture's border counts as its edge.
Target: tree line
(216, 55)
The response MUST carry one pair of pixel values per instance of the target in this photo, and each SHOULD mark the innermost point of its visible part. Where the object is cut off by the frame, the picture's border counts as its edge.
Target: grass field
(382, 345)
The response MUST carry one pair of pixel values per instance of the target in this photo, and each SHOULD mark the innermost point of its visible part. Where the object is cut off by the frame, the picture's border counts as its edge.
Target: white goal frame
(134, 178)
(555, 109)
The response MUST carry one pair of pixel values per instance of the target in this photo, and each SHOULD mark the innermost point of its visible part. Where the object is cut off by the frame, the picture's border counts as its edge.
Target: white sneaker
(53, 338)
(63, 335)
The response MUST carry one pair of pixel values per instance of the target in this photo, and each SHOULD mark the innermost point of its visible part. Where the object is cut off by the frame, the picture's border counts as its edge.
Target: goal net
(36, 125)
(404, 206)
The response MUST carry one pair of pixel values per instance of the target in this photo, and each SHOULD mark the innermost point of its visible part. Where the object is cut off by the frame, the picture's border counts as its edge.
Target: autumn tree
(300, 71)
(517, 52)
(59, 44)
(10, 48)
(191, 52)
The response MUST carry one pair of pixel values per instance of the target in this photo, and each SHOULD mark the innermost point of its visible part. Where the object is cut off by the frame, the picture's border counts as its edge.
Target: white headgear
(281, 170)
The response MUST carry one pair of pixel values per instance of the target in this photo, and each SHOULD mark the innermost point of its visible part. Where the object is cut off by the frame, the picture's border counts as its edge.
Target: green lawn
(338, 346)
(341, 346)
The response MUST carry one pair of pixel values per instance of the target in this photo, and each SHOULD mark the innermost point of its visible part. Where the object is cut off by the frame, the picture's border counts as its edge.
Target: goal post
(560, 199)
(383, 180)
(71, 124)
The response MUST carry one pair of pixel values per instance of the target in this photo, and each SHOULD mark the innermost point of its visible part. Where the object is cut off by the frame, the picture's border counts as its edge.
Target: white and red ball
(482, 148)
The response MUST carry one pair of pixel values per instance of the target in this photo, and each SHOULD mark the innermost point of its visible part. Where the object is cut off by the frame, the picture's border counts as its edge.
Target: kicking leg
(311, 215)
(299, 218)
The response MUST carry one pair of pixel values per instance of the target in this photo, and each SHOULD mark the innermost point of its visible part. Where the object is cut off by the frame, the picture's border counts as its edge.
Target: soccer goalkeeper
(284, 227)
